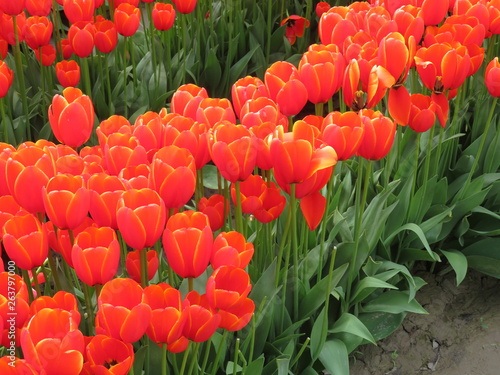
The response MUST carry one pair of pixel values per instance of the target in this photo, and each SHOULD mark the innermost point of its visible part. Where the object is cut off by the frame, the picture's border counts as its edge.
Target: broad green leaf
(210, 177)
(256, 366)
(308, 267)
(230, 368)
(349, 323)
(367, 286)
(238, 69)
(335, 358)
(318, 334)
(213, 71)
(458, 262)
(418, 231)
(381, 324)
(283, 364)
(393, 302)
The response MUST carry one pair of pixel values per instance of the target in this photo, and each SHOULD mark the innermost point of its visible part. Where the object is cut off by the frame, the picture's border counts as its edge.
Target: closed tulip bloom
(65, 48)
(237, 317)
(61, 300)
(109, 356)
(68, 73)
(378, 136)
(27, 171)
(201, 319)
(185, 6)
(127, 19)
(71, 117)
(233, 151)
(163, 16)
(213, 110)
(148, 129)
(244, 89)
(96, 255)
(333, 28)
(408, 22)
(122, 312)
(228, 287)
(12, 286)
(167, 319)
(322, 7)
(37, 31)
(8, 208)
(136, 176)
(186, 100)
(187, 242)
(231, 249)
(81, 38)
(252, 191)
(7, 27)
(66, 200)
(213, 207)
(46, 54)
(492, 77)
(422, 116)
(5, 151)
(51, 341)
(261, 110)
(133, 264)
(113, 124)
(141, 217)
(79, 10)
(105, 191)
(6, 78)
(12, 8)
(313, 208)
(15, 366)
(106, 36)
(39, 7)
(123, 150)
(344, 132)
(4, 46)
(173, 175)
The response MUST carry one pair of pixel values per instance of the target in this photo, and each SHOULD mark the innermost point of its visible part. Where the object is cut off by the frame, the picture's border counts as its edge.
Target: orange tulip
(394, 55)
(123, 150)
(233, 151)
(322, 7)
(231, 249)
(68, 73)
(137, 176)
(185, 6)
(46, 55)
(127, 19)
(81, 38)
(113, 124)
(295, 27)
(213, 207)
(6, 78)
(133, 264)
(333, 28)
(66, 200)
(5, 151)
(492, 77)
(109, 356)
(106, 36)
(96, 255)
(105, 191)
(37, 31)
(141, 217)
(51, 341)
(213, 110)
(79, 10)
(313, 208)
(163, 16)
(261, 110)
(8, 208)
(39, 7)
(167, 319)
(201, 319)
(409, 23)
(61, 300)
(378, 136)
(237, 317)
(186, 100)
(7, 26)
(65, 48)
(227, 287)
(187, 242)
(122, 313)
(71, 117)
(244, 89)
(12, 288)
(15, 366)
(344, 132)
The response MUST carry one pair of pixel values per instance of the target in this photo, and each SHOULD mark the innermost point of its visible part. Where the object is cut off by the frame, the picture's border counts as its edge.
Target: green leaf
(256, 366)
(420, 234)
(349, 323)
(367, 286)
(335, 358)
(318, 337)
(210, 177)
(484, 256)
(237, 70)
(458, 262)
(283, 364)
(393, 302)
(381, 324)
(213, 71)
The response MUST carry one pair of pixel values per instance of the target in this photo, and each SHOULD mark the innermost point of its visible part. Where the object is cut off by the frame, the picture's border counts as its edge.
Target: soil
(460, 336)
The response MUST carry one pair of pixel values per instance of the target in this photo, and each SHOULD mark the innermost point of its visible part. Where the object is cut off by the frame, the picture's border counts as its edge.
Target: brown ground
(460, 336)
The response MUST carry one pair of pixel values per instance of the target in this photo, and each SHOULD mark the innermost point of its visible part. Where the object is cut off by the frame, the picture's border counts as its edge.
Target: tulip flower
(106, 36)
(37, 31)
(123, 150)
(10, 365)
(378, 135)
(12, 286)
(344, 132)
(122, 312)
(201, 319)
(141, 217)
(79, 10)
(107, 355)
(213, 207)
(12, 8)
(6, 78)
(333, 28)
(261, 110)
(39, 7)
(105, 191)
(68, 73)
(492, 77)
(227, 287)
(4, 46)
(409, 23)
(148, 129)
(233, 151)
(212, 110)
(96, 255)
(71, 117)
(46, 55)
(313, 208)
(136, 176)
(231, 249)
(5, 151)
(237, 317)
(163, 16)
(245, 89)
(185, 6)
(7, 27)
(65, 48)
(127, 19)
(395, 56)
(173, 175)
(61, 300)
(186, 100)
(295, 27)
(252, 193)
(8, 208)
(187, 242)
(81, 38)
(167, 318)
(133, 264)
(66, 200)
(51, 340)
(113, 124)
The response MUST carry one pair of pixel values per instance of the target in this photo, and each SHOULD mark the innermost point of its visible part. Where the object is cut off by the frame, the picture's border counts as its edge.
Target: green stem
(125, 76)
(282, 247)
(318, 108)
(236, 351)
(132, 58)
(194, 358)
(53, 269)
(324, 331)
(90, 307)
(190, 284)
(4, 120)
(323, 225)
(238, 210)
(295, 251)
(219, 352)
(184, 359)
(35, 280)
(27, 281)
(24, 131)
(86, 76)
(108, 84)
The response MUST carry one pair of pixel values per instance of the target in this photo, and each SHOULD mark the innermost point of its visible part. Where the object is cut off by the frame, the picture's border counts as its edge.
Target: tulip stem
(24, 131)
(184, 359)
(194, 357)
(236, 351)
(86, 76)
(164, 359)
(90, 309)
(35, 280)
(53, 269)
(238, 210)
(295, 251)
(4, 120)
(125, 76)
(323, 225)
(108, 84)
(219, 352)
(144, 267)
(27, 281)
(282, 247)
(318, 108)
(190, 284)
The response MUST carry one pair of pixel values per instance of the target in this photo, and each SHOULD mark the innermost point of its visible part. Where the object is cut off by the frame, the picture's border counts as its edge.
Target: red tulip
(322, 7)
(409, 23)
(105, 191)
(5, 151)
(79, 10)
(96, 255)
(109, 356)
(201, 319)
(46, 55)
(106, 36)
(492, 77)
(133, 264)
(333, 28)
(185, 6)
(127, 19)
(167, 319)
(71, 117)
(295, 27)
(12, 288)
(237, 317)
(65, 48)
(141, 217)
(10, 365)
(4, 46)
(137, 176)
(244, 89)
(61, 300)
(7, 26)
(313, 208)
(378, 136)
(6, 78)
(81, 38)
(52, 341)
(186, 100)
(396, 56)
(231, 249)
(228, 287)
(187, 242)
(163, 16)
(233, 151)
(12, 8)
(261, 110)
(213, 207)
(123, 150)
(344, 132)
(113, 124)
(37, 31)
(212, 110)
(68, 73)
(122, 312)
(39, 7)
(173, 175)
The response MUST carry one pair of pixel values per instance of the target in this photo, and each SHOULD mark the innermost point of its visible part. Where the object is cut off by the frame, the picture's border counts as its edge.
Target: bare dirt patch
(460, 336)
